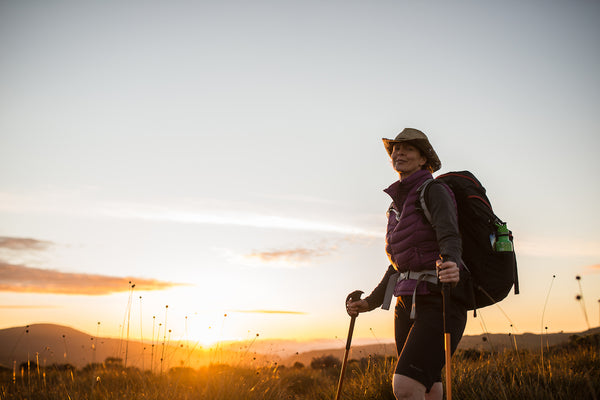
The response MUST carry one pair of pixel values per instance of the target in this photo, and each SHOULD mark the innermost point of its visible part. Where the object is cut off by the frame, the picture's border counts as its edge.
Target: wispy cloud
(13, 243)
(304, 254)
(25, 307)
(593, 268)
(237, 218)
(202, 212)
(269, 312)
(23, 251)
(23, 279)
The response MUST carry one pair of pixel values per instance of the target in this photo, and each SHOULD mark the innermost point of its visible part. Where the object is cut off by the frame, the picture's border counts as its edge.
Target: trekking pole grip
(354, 296)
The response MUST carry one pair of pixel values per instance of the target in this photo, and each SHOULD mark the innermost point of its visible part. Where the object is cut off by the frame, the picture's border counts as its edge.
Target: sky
(217, 167)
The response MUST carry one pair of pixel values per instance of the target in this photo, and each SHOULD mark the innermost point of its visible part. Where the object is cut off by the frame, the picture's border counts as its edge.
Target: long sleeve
(375, 299)
(444, 220)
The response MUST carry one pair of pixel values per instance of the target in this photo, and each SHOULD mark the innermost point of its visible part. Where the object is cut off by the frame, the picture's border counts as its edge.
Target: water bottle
(503, 242)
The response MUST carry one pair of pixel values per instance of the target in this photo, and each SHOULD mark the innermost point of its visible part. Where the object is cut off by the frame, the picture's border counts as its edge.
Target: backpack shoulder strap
(392, 208)
(421, 192)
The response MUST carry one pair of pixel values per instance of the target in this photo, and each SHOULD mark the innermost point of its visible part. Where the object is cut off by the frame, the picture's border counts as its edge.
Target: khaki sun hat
(420, 141)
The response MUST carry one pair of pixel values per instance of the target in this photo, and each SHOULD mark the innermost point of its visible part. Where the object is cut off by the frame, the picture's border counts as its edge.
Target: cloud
(203, 214)
(13, 243)
(593, 268)
(240, 218)
(291, 255)
(24, 307)
(269, 312)
(23, 279)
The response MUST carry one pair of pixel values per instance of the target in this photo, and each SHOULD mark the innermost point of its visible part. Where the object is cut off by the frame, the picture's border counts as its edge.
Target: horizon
(149, 355)
(226, 158)
(307, 344)
(285, 350)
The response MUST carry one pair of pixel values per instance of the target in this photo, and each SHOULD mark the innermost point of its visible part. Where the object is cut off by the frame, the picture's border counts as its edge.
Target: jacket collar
(405, 185)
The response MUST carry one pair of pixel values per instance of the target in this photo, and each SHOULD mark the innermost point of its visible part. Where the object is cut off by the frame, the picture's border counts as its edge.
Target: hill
(490, 342)
(48, 344)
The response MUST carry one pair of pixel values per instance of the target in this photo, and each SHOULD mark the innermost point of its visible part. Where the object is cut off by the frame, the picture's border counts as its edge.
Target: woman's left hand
(448, 272)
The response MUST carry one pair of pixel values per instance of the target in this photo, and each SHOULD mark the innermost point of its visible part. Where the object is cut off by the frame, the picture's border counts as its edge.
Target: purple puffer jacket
(411, 242)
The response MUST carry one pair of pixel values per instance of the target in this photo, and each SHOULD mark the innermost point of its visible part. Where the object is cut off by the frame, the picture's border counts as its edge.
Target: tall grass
(572, 372)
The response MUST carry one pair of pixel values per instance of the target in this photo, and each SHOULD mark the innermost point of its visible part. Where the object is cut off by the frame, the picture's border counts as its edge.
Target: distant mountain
(48, 344)
(530, 341)
(489, 342)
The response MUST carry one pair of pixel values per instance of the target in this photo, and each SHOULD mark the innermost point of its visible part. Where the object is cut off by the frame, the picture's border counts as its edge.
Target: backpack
(489, 275)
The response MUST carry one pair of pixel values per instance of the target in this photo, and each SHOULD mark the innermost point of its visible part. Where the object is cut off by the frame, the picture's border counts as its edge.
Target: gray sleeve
(444, 220)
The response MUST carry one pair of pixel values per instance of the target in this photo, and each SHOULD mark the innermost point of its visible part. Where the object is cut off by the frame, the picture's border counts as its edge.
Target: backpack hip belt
(429, 275)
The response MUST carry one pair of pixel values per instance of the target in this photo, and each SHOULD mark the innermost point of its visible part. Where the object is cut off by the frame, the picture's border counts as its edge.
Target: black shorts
(420, 343)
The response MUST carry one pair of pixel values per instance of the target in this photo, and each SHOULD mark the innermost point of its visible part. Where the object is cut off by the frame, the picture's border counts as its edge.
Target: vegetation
(569, 371)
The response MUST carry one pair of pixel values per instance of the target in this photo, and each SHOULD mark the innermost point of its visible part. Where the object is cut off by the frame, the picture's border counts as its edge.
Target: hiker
(425, 255)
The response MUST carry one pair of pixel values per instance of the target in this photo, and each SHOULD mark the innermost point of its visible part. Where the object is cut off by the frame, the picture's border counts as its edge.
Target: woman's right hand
(353, 308)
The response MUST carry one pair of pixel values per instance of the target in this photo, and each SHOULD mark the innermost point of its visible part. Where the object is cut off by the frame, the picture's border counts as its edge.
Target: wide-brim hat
(420, 141)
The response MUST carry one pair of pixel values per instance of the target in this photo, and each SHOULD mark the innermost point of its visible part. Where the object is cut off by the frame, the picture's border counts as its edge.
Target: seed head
(578, 297)
(578, 277)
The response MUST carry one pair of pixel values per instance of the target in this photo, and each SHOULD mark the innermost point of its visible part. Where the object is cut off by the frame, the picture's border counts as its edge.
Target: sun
(202, 332)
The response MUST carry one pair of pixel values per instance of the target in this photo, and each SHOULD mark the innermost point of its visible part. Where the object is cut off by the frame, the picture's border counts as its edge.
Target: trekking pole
(447, 342)
(354, 296)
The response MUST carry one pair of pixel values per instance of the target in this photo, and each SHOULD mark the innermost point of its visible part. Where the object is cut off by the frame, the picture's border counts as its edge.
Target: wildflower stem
(542, 323)
(582, 302)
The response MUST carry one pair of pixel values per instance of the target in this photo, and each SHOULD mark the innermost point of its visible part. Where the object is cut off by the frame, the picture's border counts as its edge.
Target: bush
(325, 362)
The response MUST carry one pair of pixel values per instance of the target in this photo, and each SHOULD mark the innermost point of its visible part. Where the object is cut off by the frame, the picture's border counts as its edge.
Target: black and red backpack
(489, 275)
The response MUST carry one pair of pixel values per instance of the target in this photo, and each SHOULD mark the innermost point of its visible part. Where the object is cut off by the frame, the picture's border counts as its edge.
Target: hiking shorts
(420, 343)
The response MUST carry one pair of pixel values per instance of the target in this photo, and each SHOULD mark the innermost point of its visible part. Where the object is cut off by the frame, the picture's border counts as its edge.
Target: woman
(419, 251)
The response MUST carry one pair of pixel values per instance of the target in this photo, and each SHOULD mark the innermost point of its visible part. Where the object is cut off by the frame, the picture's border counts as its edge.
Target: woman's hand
(353, 308)
(448, 272)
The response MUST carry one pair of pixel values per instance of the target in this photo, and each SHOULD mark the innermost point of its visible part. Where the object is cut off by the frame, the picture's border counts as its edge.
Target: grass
(570, 371)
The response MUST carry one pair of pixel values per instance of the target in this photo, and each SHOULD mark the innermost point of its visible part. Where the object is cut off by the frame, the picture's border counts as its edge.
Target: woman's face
(407, 159)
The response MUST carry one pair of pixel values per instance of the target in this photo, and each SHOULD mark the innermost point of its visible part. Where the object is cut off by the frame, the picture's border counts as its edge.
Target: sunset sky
(226, 157)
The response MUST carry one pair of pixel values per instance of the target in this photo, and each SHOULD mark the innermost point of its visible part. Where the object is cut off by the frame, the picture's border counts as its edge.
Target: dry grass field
(567, 371)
